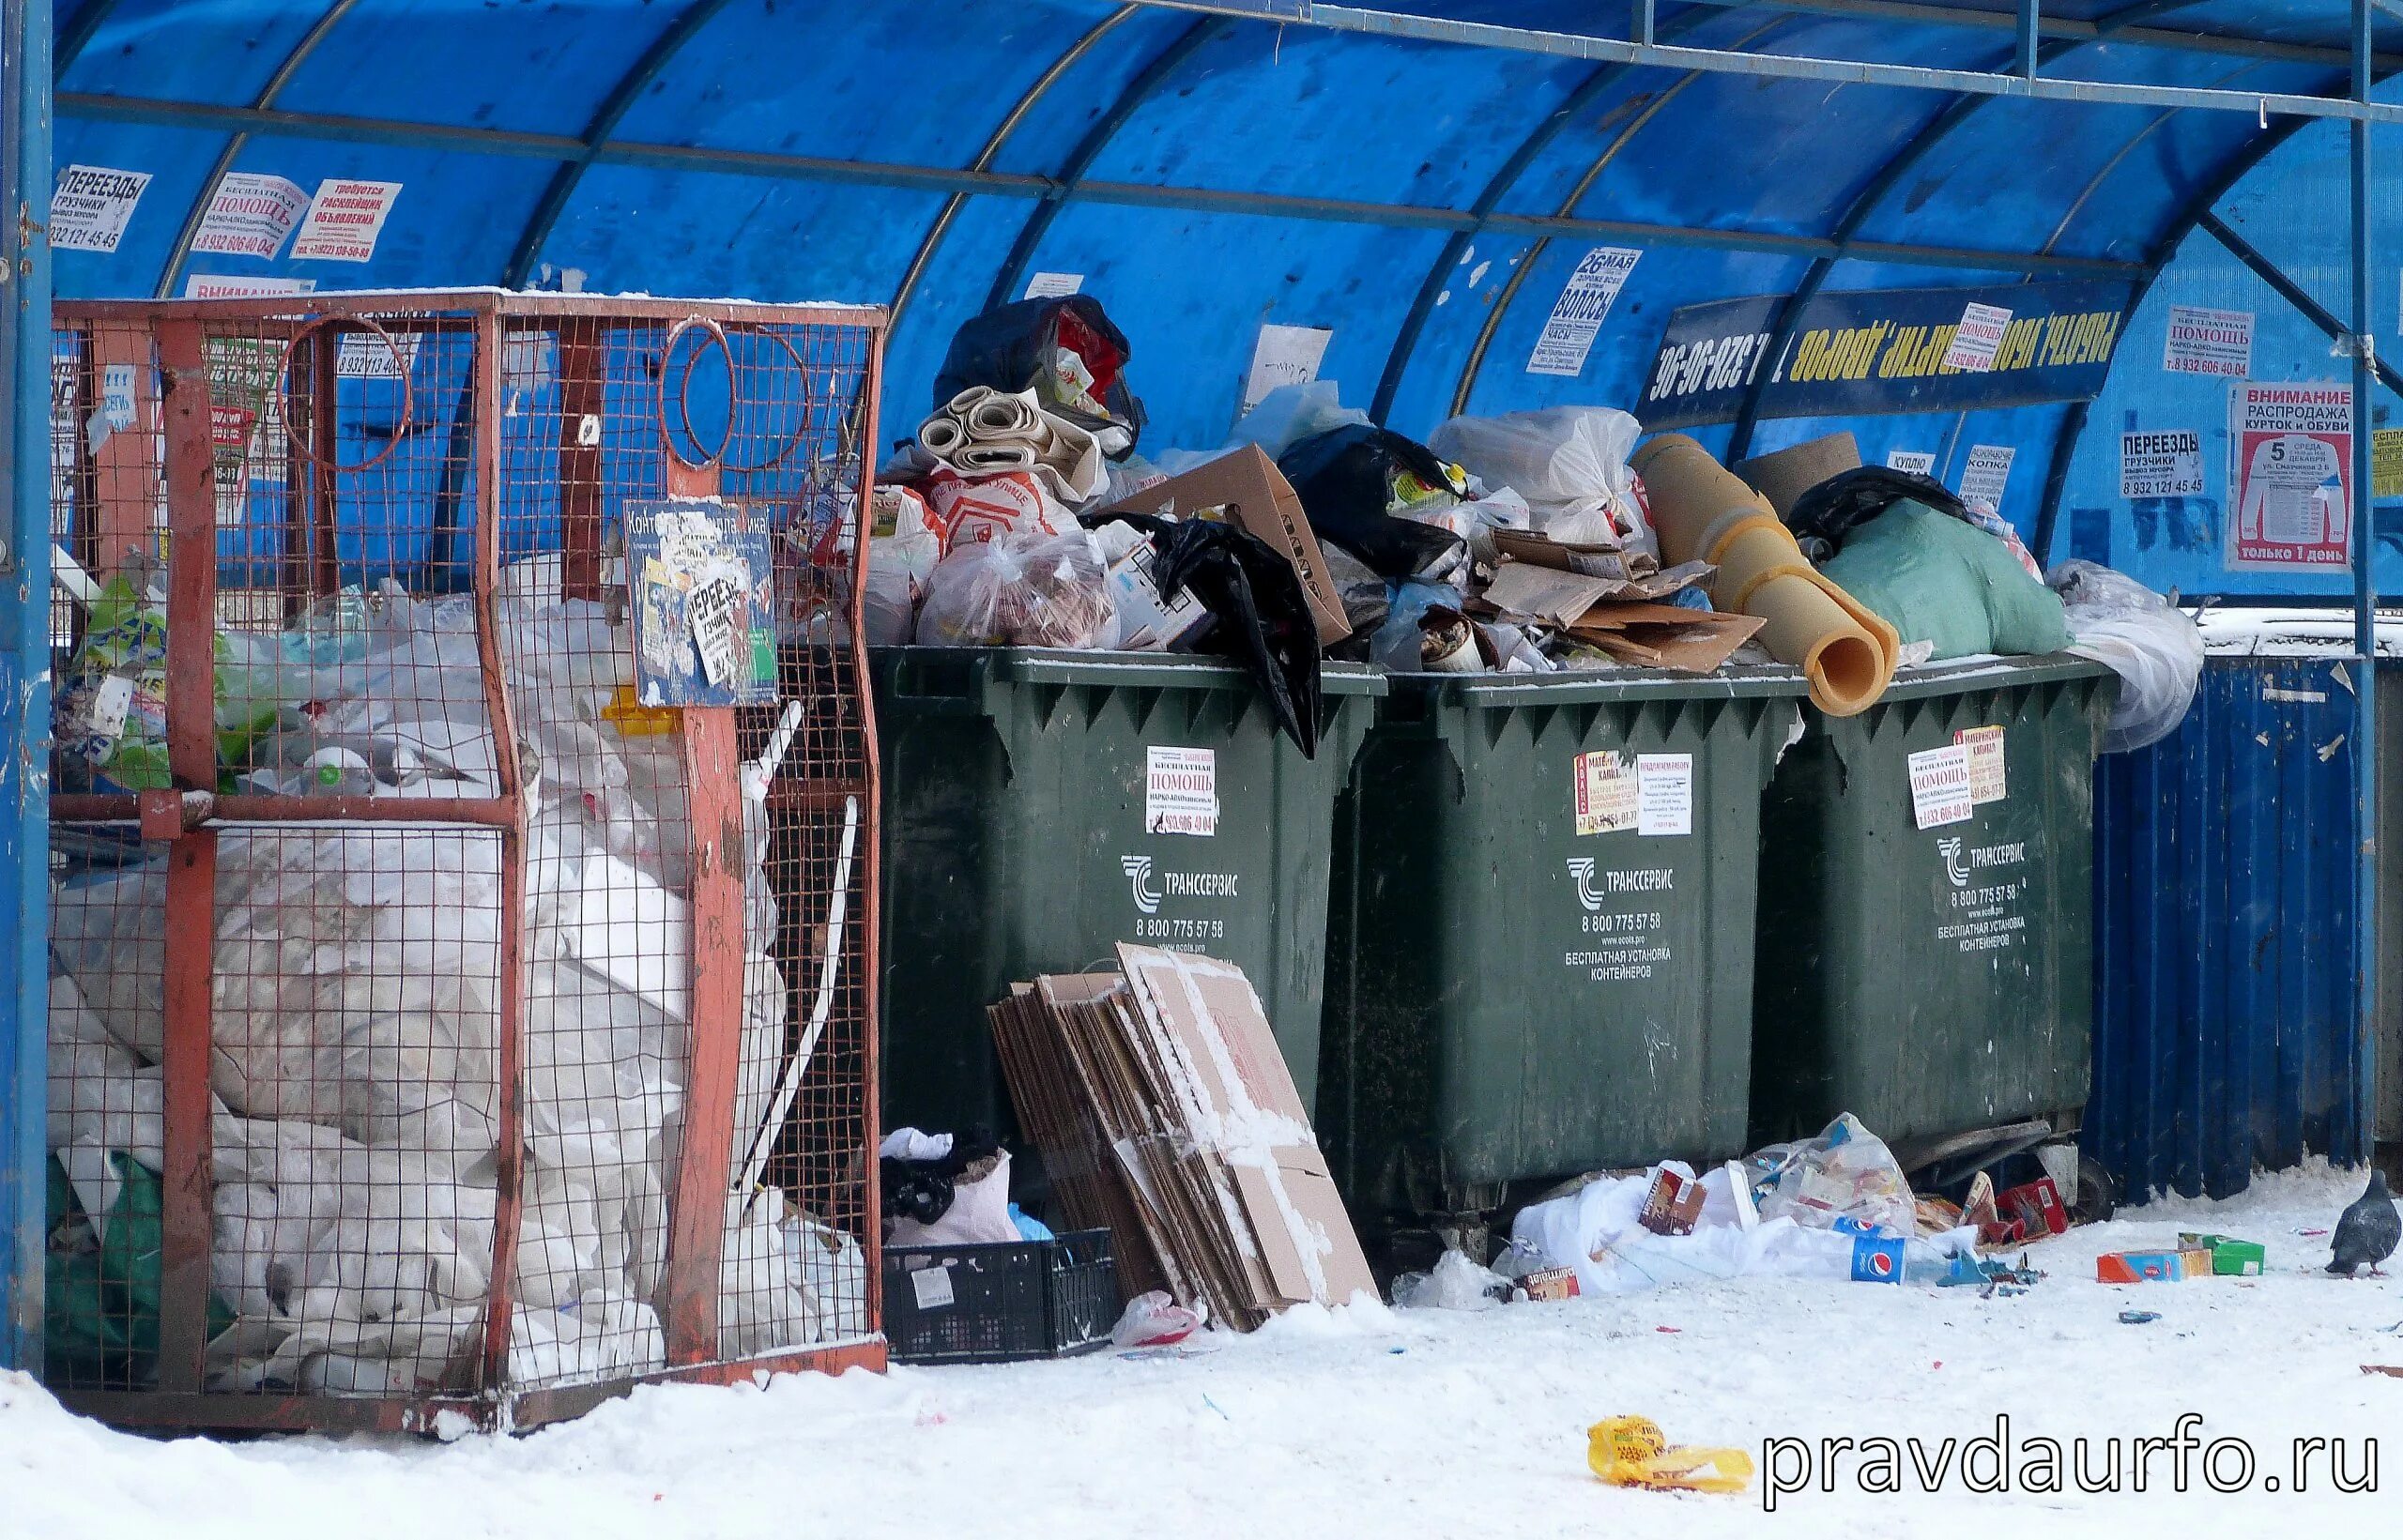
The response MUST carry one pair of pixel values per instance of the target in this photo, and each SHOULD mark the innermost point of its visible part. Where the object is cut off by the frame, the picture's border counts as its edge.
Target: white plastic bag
(1154, 1320)
(979, 1212)
(1569, 462)
(2152, 645)
(1845, 1173)
(1028, 590)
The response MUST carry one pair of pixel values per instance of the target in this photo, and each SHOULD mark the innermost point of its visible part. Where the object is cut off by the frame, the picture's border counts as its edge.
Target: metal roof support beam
(2121, 25)
(172, 270)
(1088, 151)
(1012, 184)
(2294, 294)
(1381, 23)
(612, 111)
(932, 241)
(2366, 746)
(1414, 322)
(88, 19)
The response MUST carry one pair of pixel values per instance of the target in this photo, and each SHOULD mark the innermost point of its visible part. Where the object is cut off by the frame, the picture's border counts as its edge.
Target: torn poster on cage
(346, 219)
(91, 206)
(250, 214)
(1578, 314)
(703, 604)
(233, 286)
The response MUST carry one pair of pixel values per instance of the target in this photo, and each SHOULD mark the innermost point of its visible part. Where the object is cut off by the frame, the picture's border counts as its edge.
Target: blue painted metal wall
(2223, 860)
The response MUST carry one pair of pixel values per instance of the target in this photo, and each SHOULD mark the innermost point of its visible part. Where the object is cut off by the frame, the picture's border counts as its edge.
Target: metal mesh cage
(439, 1023)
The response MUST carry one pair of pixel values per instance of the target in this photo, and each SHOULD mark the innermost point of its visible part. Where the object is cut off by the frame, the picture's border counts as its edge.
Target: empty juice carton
(2127, 1267)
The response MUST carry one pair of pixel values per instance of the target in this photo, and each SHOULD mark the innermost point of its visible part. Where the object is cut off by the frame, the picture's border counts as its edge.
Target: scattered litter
(2138, 1317)
(1633, 1451)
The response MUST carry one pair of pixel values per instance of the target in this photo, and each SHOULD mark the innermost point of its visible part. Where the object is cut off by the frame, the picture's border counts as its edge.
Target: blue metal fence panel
(2224, 1036)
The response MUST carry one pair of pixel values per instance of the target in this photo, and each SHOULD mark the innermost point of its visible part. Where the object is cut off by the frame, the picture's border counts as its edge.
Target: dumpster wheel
(2098, 1195)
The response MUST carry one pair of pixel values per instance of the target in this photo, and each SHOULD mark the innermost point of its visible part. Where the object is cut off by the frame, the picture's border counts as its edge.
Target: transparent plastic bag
(1291, 413)
(1845, 1173)
(1569, 462)
(2139, 635)
(1035, 590)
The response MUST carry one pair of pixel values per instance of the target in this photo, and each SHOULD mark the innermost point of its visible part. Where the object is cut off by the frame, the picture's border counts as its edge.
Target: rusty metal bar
(583, 354)
(86, 807)
(697, 1222)
(187, 1221)
(125, 478)
(509, 1157)
(324, 439)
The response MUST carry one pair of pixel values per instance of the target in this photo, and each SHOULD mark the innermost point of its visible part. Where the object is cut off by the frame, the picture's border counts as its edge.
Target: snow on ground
(1372, 1422)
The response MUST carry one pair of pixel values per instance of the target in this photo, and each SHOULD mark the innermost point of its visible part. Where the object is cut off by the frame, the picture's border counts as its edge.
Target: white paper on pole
(1977, 339)
(233, 286)
(91, 205)
(250, 215)
(1578, 314)
(2162, 464)
(1986, 475)
(1284, 355)
(346, 219)
(2209, 341)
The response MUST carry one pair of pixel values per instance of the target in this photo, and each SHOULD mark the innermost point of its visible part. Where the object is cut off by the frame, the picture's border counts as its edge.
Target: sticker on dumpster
(1986, 781)
(700, 604)
(1621, 940)
(1664, 793)
(1605, 791)
(1578, 314)
(1180, 790)
(1940, 785)
(91, 205)
(1985, 896)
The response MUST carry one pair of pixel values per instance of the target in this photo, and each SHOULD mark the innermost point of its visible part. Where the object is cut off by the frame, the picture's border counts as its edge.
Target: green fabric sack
(1939, 579)
(101, 1306)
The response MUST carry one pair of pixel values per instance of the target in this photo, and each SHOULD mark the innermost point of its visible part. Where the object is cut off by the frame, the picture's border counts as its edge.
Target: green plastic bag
(101, 1306)
(1938, 579)
(120, 729)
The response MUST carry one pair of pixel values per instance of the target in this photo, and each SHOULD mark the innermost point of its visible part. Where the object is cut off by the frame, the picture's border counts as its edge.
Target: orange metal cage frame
(184, 818)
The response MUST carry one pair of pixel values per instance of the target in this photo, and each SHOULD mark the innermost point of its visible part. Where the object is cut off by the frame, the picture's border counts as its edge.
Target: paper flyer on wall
(1978, 337)
(2209, 341)
(2289, 503)
(2160, 465)
(250, 215)
(704, 604)
(1578, 314)
(346, 219)
(1284, 355)
(1912, 462)
(232, 286)
(91, 205)
(1986, 473)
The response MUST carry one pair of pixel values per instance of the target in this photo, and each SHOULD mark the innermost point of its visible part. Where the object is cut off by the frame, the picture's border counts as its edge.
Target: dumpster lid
(1158, 670)
(1986, 671)
(1577, 685)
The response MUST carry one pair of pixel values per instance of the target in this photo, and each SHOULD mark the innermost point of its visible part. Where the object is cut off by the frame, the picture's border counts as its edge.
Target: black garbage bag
(922, 1190)
(1020, 346)
(1262, 618)
(1347, 480)
(1825, 517)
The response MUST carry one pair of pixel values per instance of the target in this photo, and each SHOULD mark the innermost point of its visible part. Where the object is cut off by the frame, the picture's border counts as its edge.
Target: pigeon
(2368, 1231)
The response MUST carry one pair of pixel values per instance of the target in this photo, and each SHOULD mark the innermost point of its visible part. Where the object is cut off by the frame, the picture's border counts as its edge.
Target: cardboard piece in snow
(1257, 499)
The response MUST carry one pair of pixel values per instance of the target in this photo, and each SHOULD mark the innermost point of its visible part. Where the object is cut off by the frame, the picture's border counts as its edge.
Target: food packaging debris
(2128, 1266)
(1672, 1204)
(2230, 1256)
(2037, 1205)
(1633, 1451)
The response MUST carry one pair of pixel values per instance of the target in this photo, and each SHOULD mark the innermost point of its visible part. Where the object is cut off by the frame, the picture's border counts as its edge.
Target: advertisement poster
(704, 605)
(2290, 504)
(250, 215)
(1986, 474)
(1578, 314)
(346, 219)
(2209, 341)
(91, 206)
(2162, 464)
(1284, 355)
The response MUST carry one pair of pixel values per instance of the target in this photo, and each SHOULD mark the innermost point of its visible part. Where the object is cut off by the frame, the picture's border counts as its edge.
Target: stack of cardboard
(1163, 1111)
(1612, 602)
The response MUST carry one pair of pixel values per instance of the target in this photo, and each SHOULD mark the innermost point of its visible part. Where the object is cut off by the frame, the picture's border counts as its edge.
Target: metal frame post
(25, 672)
(2366, 745)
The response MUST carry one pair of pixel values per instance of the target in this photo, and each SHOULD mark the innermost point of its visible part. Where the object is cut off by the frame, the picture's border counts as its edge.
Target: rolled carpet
(1704, 513)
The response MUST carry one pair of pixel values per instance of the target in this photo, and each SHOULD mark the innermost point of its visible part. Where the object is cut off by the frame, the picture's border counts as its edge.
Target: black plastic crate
(1000, 1304)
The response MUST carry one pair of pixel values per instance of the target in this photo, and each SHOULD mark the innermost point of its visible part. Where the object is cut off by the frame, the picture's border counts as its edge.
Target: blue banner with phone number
(1874, 352)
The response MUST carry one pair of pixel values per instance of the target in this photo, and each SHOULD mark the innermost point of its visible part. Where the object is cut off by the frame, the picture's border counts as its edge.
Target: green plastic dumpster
(1541, 943)
(1926, 946)
(1041, 806)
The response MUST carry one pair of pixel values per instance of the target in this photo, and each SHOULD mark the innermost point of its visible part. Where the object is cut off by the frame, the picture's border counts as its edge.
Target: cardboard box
(2036, 1206)
(2230, 1256)
(1257, 499)
(1672, 1205)
(2127, 1267)
(1550, 1283)
(1147, 622)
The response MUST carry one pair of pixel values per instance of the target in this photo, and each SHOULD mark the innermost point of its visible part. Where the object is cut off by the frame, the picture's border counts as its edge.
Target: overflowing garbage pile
(1836, 1206)
(356, 1012)
(1023, 513)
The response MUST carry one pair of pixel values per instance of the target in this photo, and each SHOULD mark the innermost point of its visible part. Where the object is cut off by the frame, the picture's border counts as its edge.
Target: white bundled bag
(1569, 462)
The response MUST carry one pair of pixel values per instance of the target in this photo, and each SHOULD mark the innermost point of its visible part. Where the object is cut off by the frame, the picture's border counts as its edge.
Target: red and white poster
(344, 218)
(250, 215)
(2290, 503)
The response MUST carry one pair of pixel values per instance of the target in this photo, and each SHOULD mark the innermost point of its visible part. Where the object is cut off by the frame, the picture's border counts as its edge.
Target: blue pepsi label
(1876, 1260)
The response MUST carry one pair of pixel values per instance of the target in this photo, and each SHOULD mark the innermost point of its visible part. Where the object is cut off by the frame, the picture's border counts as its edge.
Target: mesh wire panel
(534, 1049)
